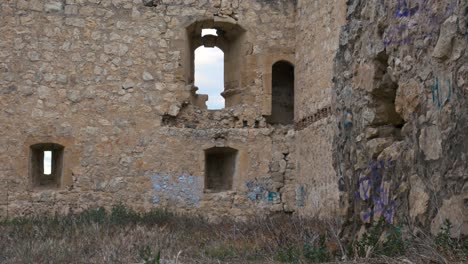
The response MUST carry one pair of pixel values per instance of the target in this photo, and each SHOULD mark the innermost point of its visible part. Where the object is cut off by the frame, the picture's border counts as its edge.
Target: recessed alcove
(220, 168)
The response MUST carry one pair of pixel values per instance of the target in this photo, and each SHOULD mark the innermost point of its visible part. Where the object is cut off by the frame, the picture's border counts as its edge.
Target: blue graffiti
(379, 197)
(347, 119)
(257, 191)
(300, 196)
(402, 9)
(184, 189)
(437, 97)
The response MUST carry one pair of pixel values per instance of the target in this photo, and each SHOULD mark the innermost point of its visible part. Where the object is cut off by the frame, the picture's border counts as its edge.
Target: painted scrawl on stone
(257, 191)
(300, 196)
(441, 92)
(399, 34)
(182, 190)
(375, 190)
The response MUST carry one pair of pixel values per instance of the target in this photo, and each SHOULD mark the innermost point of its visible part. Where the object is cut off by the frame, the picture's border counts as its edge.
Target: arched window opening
(46, 164)
(219, 41)
(209, 75)
(282, 108)
(220, 167)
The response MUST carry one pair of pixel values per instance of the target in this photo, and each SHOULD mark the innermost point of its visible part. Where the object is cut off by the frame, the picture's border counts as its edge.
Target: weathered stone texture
(107, 80)
(318, 26)
(401, 105)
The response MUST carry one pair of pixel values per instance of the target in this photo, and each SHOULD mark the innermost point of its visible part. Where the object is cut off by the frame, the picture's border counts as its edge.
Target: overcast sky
(47, 162)
(209, 74)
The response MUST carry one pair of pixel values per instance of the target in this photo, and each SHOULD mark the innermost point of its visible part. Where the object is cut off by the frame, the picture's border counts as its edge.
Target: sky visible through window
(47, 162)
(209, 73)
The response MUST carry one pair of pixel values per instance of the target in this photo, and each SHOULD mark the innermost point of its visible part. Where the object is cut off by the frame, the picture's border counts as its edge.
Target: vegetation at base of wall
(382, 239)
(122, 235)
(449, 245)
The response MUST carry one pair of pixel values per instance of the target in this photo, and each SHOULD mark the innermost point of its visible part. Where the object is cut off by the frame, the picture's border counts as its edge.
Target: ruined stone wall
(401, 101)
(107, 80)
(317, 28)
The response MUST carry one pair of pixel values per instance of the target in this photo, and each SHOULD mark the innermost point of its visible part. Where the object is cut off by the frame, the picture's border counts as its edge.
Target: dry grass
(123, 236)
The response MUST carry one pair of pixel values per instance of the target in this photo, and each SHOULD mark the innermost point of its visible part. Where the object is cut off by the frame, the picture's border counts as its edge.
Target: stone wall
(107, 80)
(401, 102)
(318, 25)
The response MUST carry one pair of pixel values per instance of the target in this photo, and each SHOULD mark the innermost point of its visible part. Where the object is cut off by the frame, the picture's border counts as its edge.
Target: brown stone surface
(378, 131)
(403, 153)
(111, 81)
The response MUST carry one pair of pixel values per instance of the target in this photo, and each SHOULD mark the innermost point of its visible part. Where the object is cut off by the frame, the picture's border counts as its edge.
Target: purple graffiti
(399, 34)
(380, 196)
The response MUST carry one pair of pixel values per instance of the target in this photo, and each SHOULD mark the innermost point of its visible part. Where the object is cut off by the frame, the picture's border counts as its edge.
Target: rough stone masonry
(351, 109)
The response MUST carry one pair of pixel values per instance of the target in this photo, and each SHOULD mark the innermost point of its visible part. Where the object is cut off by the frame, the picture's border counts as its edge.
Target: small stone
(444, 44)
(128, 84)
(34, 56)
(377, 145)
(407, 99)
(418, 197)
(74, 96)
(174, 110)
(147, 76)
(62, 78)
(430, 142)
(8, 89)
(74, 21)
(53, 6)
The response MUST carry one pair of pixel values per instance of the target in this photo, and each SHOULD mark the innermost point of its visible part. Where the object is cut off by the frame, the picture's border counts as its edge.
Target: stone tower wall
(318, 25)
(401, 101)
(109, 81)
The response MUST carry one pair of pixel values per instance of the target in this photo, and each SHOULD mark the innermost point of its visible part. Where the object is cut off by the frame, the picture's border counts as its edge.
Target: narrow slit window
(209, 75)
(47, 162)
(46, 165)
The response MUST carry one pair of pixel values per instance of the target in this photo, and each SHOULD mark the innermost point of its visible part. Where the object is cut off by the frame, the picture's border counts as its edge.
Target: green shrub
(443, 239)
(288, 255)
(150, 257)
(92, 215)
(317, 253)
(221, 252)
(392, 246)
(122, 215)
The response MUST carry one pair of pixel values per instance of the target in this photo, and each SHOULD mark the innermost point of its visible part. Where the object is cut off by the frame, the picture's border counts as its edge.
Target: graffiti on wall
(374, 189)
(441, 92)
(183, 189)
(347, 119)
(258, 191)
(398, 34)
(300, 196)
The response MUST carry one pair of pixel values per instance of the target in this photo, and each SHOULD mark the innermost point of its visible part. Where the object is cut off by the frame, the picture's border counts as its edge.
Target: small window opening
(220, 167)
(209, 75)
(47, 162)
(282, 108)
(209, 31)
(46, 165)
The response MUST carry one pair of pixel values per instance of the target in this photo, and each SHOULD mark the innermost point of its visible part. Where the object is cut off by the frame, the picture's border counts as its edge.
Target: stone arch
(282, 93)
(229, 40)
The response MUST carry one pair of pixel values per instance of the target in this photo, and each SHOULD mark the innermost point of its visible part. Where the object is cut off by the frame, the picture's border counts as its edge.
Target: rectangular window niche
(46, 165)
(220, 168)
